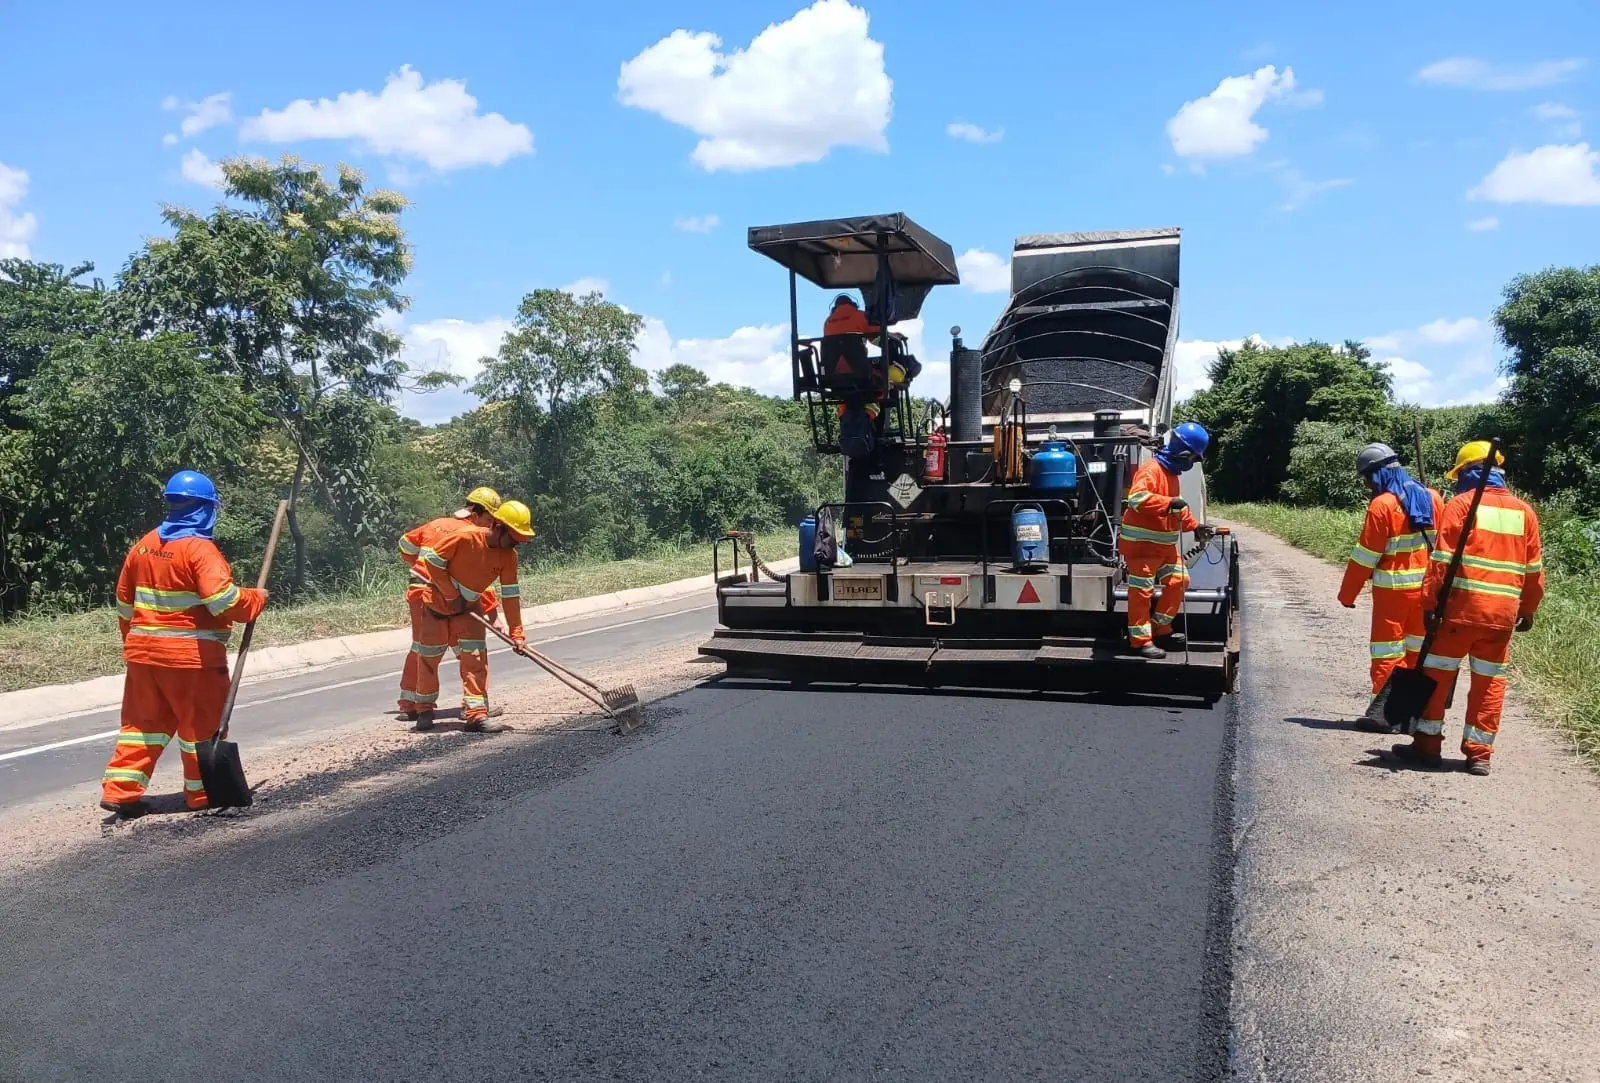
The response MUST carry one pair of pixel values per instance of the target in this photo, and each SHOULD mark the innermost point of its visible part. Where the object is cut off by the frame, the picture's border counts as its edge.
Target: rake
(621, 703)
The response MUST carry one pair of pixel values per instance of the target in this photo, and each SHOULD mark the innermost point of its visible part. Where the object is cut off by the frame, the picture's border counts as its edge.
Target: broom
(220, 767)
(1406, 694)
(621, 704)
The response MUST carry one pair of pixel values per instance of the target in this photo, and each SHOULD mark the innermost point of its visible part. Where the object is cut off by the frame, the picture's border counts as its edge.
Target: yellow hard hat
(1474, 451)
(515, 514)
(484, 497)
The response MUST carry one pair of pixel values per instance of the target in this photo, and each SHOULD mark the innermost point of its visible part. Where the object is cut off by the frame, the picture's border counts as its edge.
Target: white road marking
(52, 746)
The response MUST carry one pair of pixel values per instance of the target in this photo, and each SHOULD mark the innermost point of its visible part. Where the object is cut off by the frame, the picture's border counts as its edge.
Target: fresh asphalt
(765, 883)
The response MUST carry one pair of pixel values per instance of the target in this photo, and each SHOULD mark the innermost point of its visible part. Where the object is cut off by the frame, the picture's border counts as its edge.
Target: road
(764, 883)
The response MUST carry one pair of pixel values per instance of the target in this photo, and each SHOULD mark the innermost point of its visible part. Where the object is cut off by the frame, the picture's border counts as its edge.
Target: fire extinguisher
(933, 456)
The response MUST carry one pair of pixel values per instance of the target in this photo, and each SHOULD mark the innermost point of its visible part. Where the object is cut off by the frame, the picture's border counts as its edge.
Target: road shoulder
(1392, 924)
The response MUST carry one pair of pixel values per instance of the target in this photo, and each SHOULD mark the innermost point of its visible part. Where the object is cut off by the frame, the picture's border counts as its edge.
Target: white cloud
(1222, 124)
(1483, 225)
(698, 223)
(973, 134)
(1561, 174)
(16, 230)
(1412, 381)
(1300, 188)
(586, 285)
(202, 170)
(1481, 75)
(446, 345)
(1563, 119)
(801, 88)
(203, 114)
(1441, 384)
(1192, 357)
(1446, 332)
(437, 123)
(1445, 362)
(984, 272)
(753, 357)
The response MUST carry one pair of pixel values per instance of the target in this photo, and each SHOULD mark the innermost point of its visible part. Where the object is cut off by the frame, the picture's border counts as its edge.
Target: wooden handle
(250, 627)
(272, 544)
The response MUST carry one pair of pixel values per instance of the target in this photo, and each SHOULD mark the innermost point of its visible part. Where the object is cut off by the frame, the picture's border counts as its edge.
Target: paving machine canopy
(843, 253)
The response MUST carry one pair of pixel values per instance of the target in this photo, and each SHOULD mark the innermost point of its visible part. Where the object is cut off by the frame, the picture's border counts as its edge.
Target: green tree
(683, 385)
(289, 293)
(1550, 322)
(42, 305)
(1258, 397)
(1322, 466)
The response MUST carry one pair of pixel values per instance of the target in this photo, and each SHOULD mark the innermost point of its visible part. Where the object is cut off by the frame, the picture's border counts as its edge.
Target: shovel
(1406, 694)
(221, 770)
(622, 704)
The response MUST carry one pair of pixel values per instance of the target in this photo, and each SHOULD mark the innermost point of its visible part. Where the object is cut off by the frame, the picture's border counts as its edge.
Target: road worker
(452, 578)
(1153, 518)
(1498, 588)
(1392, 552)
(480, 506)
(895, 370)
(176, 605)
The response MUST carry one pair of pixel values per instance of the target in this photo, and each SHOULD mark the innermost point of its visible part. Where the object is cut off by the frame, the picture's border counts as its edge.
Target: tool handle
(1460, 553)
(1416, 441)
(250, 626)
(558, 672)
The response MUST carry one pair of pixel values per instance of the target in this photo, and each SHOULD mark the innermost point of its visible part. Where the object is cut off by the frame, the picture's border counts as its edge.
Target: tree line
(1287, 422)
(254, 343)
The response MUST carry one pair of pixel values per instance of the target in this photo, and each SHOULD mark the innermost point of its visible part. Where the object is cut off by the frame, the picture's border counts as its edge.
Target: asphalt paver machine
(976, 541)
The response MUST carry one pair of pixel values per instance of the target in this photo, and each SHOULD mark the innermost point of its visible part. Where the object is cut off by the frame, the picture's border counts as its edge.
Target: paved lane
(764, 884)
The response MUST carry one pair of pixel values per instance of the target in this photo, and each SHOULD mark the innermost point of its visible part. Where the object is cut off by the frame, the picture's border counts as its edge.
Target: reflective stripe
(1495, 520)
(1477, 586)
(123, 774)
(193, 785)
(1430, 727)
(1173, 571)
(466, 592)
(222, 600)
(1139, 630)
(216, 635)
(1161, 619)
(409, 548)
(433, 558)
(1510, 567)
(510, 590)
(474, 701)
(1439, 556)
(1383, 579)
(1387, 649)
(1139, 499)
(1534, 565)
(1476, 736)
(428, 650)
(423, 698)
(124, 610)
(1490, 669)
(471, 646)
(186, 746)
(1139, 533)
(1405, 543)
(1435, 661)
(164, 601)
(1365, 557)
(1414, 643)
(1142, 582)
(147, 740)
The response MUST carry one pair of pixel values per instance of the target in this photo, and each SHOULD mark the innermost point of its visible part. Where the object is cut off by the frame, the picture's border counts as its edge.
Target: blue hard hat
(1193, 437)
(191, 485)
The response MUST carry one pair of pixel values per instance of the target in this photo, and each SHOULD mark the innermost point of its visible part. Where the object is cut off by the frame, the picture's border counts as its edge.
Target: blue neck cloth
(1468, 480)
(1415, 499)
(189, 519)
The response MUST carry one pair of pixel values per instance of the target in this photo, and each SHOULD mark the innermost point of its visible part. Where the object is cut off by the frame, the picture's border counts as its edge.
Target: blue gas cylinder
(808, 544)
(1055, 468)
(1030, 537)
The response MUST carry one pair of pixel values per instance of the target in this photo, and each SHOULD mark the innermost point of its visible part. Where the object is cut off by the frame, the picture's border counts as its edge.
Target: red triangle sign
(1028, 593)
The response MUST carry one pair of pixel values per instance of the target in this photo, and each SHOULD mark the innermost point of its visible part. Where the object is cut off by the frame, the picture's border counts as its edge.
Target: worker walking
(452, 577)
(1153, 518)
(1498, 588)
(176, 605)
(478, 510)
(1392, 552)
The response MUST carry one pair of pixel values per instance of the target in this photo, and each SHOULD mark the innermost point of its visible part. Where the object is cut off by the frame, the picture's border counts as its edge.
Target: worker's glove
(1525, 624)
(1177, 505)
(1205, 532)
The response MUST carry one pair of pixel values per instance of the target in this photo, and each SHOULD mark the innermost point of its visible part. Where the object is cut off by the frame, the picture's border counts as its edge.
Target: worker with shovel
(1497, 588)
(176, 606)
(452, 578)
(1392, 552)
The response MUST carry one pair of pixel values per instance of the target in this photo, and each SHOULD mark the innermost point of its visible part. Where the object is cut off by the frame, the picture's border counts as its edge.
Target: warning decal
(1028, 593)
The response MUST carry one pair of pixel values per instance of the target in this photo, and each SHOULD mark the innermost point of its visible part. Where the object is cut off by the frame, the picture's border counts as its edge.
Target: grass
(1559, 659)
(43, 650)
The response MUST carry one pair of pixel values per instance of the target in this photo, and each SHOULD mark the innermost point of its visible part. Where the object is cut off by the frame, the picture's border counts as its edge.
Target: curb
(32, 706)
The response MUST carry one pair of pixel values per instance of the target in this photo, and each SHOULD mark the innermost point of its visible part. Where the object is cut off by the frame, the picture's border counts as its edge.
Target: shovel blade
(223, 774)
(623, 703)
(1406, 696)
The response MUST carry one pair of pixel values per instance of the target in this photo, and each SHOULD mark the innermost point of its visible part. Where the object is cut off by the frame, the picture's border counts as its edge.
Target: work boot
(1477, 767)
(1173, 639)
(128, 810)
(1412, 756)
(1149, 650)
(408, 716)
(424, 721)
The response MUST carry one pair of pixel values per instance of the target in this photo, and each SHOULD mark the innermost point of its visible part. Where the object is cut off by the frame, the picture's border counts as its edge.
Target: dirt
(295, 781)
(1393, 923)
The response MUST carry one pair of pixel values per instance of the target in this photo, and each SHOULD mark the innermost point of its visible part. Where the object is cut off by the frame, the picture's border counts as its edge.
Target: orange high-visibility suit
(412, 700)
(1500, 581)
(459, 566)
(1148, 543)
(1394, 556)
(847, 319)
(176, 605)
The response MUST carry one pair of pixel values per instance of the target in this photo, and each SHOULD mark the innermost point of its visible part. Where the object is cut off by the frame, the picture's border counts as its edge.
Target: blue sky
(1379, 174)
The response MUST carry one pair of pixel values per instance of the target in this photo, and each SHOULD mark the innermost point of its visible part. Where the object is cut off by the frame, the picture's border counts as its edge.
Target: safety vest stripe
(1490, 669)
(429, 650)
(1476, 736)
(1142, 582)
(1402, 580)
(218, 635)
(1139, 533)
(1510, 567)
(433, 558)
(1173, 571)
(1139, 630)
(1414, 643)
(511, 590)
(409, 548)
(471, 646)
(1534, 565)
(1139, 499)
(124, 610)
(164, 601)
(186, 746)
(194, 785)
(1405, 543)
(1430, 727)
(1365, 557)
(1161, 620)
(1478, 586)
(1388, 649)
(475, 701)
(222, 600)
(146, 740)
(1440, 662)
(125, 774)
(466, 592)
(1502, 520)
